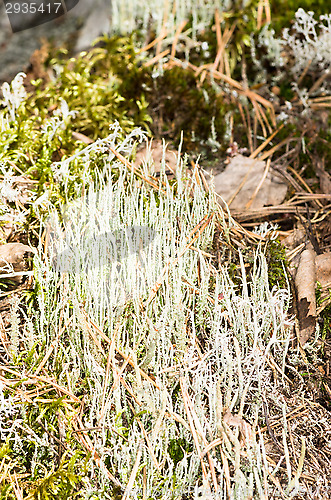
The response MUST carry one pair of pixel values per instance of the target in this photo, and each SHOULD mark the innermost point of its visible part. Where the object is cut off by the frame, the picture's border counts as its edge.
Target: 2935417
(33, 7)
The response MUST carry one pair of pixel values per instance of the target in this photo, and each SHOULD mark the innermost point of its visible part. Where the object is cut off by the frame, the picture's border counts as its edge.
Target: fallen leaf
(245, 427)
(7, 223)
(17, 188)
(150, 156)
(305, 285)
(294, 239)
(13, 258)
(238, 183)
(324, 177)
(82, 138)
(323, 268)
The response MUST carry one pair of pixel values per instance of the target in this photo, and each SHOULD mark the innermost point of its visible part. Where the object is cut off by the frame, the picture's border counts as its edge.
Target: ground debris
(305, 284)
(14, 261)
(247, 183)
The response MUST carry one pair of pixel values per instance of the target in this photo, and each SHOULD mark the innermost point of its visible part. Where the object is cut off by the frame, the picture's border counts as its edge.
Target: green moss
(179, 103)
(95, 88)
(277, 264)
(325, 316)
(286, 91)
(59, 483)
(178, 448)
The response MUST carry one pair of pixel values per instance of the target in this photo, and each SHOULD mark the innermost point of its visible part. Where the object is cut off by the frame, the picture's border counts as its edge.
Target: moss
(178, 102)
(285, 90)
(93, 85)
(177, 449)
(277, 264)
(111, 83)
(325, 316)
(108, 84)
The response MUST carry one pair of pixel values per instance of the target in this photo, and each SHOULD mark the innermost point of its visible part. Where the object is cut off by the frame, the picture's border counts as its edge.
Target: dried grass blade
(128, 388)
(17, 490)
(156, 58)
(129, 487)
(303, 74)
(218, 29)
(267, 9)
(261, 100)
(275, 148)
(259, 117)
(148, 442)
(57, 386)
(318, 82)
(192, 427)
(212, 445)
(178, 32)
(221, 76)
(88, 445)
(222, 42)
(166, 268)
(201, 434)
(265, 173)
(152, 43)
(45, 359)
(124, 356)
(105, 384)
(116, 376)
(266, 142)
(132, 168)
(260, 8)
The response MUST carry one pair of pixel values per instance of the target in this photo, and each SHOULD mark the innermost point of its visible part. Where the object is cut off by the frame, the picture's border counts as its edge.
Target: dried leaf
(17, 188)
(245, 427)
(295, 238)
(82, 138)
(324, 177)
(152, 156)
(13, 258)
(7, 225)
(240, 180)
(305, 284)
(323, 268)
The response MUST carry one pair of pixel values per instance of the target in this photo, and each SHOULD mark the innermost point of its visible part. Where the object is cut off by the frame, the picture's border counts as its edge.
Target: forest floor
(165, 259)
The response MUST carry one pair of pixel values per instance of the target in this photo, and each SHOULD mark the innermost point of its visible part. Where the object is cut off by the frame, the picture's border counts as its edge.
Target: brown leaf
(17, 188)
(305, 284)
(152, 155)
(82, 138)
(324, 177)
(323, 268)
(238, 183)
(14, 256)
(236, 421)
